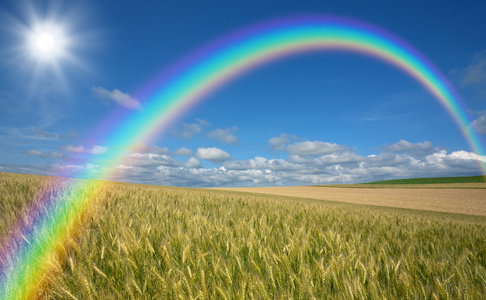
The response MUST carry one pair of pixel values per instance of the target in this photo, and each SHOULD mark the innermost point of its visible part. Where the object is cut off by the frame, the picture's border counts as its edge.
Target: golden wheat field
(463, 198)
(153, 242)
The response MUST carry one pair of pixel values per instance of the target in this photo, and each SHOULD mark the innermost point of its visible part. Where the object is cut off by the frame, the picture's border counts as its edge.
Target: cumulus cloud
(261, 163)
(150, 159)
(280, 142)
(183, 151)
(301, 159)
(314, 148)
(212, 154)
(225, 135)
(347, 157)
(117, 96)
(264, 172)
(456, 158)
(154, 149)
(351, 168)
(343, 165)
(299, 150)
(95, 150)
(193, 163)
(311, 165)
(403, 146)
(212, 177)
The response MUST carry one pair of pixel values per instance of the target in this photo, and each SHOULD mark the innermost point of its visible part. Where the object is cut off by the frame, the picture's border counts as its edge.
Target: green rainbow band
(189, 84)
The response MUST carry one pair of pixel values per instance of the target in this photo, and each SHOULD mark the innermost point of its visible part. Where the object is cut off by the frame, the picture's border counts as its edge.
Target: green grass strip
(434, 180)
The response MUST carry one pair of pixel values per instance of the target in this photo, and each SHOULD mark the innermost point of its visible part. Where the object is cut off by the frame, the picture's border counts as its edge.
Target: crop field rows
(149, 242)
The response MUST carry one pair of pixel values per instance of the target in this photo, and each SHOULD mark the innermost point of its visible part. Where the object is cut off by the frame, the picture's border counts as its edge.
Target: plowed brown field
(454, 200)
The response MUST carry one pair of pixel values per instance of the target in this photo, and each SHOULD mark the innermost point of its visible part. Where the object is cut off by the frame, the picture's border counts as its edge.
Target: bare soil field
(469, 185)
(471, 201)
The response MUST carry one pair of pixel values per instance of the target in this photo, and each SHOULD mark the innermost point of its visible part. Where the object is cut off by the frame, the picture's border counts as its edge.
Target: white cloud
(154, 149)
(213, 177)
(212, 154)
(150, 159)
(454, 158)
(183, 151)
(261, 163)
(96, 149)
(279, 143)
(193, 163)
(403, 146)
(349, 167)
(225, 135)
(400, 160)
(340, 158)
(389, 159)
(262, 172)
(118, 97)
(301, 159)
(314, 148)
(346, 157)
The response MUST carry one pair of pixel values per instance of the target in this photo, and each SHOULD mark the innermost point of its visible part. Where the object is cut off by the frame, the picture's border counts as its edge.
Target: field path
(464, 201)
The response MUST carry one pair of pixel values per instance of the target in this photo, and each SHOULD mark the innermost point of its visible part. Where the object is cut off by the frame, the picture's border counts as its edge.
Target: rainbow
(178, 89)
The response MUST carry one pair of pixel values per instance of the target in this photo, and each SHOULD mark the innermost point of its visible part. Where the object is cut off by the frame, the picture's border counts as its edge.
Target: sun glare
(50, 41)
(47, 42)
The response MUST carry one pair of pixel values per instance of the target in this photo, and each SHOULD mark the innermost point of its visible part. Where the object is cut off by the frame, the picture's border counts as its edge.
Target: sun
(48, 42)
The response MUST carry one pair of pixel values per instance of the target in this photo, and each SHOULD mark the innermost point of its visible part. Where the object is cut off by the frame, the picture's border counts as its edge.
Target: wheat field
(150, 242)
(464, 198)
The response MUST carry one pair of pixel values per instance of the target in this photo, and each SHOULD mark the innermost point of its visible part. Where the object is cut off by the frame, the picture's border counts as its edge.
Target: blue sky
(309, 119)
